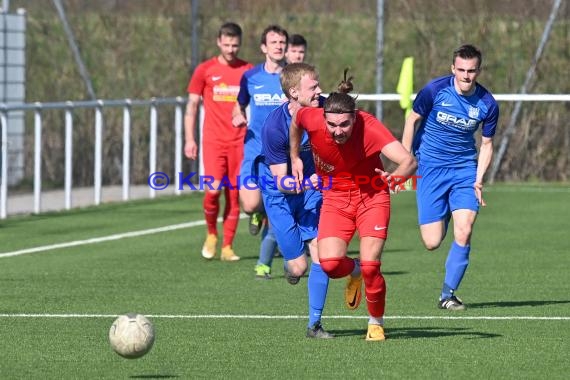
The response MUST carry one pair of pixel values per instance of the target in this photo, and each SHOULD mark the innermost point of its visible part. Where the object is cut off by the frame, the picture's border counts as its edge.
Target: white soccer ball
(131, 335)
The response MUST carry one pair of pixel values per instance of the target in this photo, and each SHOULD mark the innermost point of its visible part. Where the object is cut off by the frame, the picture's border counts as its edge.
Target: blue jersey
(293, 217)
(275, 143)
(262, 92)
(446, 136)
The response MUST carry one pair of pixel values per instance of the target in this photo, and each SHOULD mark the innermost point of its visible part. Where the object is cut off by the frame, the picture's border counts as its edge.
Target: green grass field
(214, 320)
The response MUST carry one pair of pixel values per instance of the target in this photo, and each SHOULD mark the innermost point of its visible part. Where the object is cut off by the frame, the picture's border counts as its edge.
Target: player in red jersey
(346, 145)
(216, 82)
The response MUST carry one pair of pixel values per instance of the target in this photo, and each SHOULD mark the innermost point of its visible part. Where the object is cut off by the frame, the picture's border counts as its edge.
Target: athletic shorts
(222, 160)
(294, 219)
(444, 190)
(249, 173)
(345, 212)
(249, 170)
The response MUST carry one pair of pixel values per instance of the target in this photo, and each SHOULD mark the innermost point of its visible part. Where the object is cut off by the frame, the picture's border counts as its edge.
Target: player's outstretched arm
(407, 165)
(409, 129)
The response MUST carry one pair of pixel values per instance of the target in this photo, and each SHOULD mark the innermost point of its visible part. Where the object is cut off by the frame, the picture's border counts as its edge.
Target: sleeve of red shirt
(306, 117)
(197, 82)
(377, 136)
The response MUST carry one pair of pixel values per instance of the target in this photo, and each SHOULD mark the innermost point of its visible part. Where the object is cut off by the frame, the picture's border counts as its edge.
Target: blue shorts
(444, 190)
(249, 171)
(294, 219)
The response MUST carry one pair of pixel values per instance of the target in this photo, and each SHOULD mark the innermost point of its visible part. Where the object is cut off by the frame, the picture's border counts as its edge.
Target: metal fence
(127, 105)
(97, 106)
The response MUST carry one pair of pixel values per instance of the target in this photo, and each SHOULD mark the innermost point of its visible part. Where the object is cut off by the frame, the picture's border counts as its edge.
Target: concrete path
(54, 200)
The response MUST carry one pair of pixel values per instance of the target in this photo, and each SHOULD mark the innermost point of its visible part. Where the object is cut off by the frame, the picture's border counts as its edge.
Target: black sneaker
(452, 303)
(318, 332)
(293, 280)
(255, 223)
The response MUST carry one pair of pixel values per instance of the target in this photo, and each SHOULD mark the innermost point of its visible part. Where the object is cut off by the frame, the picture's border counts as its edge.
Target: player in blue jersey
(447, 112)
(294, 217)
(260, 90)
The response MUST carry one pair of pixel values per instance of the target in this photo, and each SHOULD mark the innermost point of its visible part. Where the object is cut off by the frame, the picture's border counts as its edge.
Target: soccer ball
(131, 335)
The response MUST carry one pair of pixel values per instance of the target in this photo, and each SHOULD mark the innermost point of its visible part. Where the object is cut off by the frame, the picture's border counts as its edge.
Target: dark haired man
(346, 145)
(447, 112)
(296, 49)
(260, 90)
(216, 82)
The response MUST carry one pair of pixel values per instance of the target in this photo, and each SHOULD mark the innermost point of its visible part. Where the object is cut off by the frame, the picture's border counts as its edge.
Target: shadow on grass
(153, 376)
(421, 332)
(484, 305)
(394, 272)
(436, 332)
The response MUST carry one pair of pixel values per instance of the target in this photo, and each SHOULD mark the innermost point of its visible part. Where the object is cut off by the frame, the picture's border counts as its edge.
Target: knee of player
(296, 269)
(462, 233)
(248, 209)
(431, 243)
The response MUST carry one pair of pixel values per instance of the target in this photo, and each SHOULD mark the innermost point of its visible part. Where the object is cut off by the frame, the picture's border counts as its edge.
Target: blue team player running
(260, 89)
(449, 110)
(295, 217)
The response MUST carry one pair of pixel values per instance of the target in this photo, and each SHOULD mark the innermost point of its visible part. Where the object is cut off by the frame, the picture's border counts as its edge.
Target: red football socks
(374, 288)
(211, 205)
(231, 216)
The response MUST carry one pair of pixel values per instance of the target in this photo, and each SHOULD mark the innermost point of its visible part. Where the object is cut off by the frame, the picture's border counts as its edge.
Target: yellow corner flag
(406, 85)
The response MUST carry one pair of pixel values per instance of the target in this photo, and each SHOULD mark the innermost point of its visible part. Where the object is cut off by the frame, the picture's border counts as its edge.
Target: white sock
(376, 321)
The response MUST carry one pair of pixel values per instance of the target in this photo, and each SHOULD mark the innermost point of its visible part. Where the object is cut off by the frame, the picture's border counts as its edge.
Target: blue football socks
(318, 284)
(268, 246)
(455, 267)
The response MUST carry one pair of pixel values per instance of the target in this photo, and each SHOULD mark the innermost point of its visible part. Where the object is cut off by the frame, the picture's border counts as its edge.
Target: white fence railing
(98, 106)
(127, 105)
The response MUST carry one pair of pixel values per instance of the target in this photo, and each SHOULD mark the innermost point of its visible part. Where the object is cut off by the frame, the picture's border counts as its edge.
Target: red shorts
(223, 160)
(344, 212)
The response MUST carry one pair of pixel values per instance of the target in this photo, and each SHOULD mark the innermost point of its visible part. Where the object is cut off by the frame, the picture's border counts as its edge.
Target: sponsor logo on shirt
(319, 163)
(225, 93)
(269, 99)
(457, 122)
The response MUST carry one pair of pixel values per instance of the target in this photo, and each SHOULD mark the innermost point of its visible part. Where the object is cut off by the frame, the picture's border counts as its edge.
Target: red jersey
(218, 84)
(350, 166)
